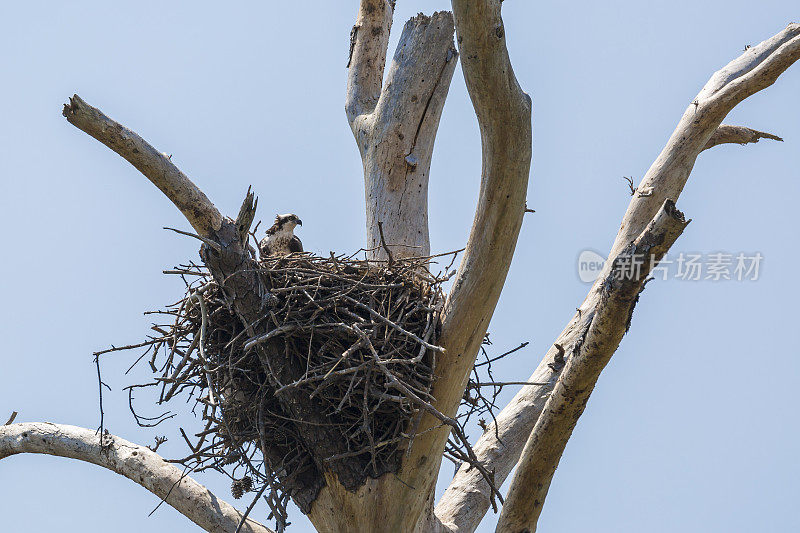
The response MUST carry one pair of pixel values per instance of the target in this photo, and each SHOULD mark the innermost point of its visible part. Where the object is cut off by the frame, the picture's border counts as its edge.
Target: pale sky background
(693, 426)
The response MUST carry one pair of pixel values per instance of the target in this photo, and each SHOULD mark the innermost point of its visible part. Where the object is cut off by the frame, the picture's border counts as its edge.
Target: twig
(214, 245)
(382, 318)
(492, 360)
(347, 353)
(158, 442)
(127, 347)
(255, 341)
(250, 508)
(630, 184)
(198, 295)
(383, 243)
(100, 386)
(504, 383)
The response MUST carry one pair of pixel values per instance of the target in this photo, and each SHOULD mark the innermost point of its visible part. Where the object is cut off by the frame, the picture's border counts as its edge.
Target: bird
(280, 239)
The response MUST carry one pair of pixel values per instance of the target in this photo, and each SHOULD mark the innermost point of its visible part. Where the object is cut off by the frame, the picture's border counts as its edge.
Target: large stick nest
(364, 337)
(330, 379)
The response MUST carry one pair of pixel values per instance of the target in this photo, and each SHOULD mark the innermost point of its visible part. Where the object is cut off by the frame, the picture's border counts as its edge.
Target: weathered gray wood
(137, 463)
(619, 293)
(727, 134)
(369, 40)
(466, 500)
(155, 165)
(756, 69)
(395, 127)
(504, 116)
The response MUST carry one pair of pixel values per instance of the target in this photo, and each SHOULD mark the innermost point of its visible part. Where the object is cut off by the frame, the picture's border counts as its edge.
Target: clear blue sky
(693, 427)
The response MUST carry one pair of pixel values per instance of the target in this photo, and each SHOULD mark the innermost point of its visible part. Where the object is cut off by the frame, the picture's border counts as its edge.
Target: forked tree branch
(466, 500)
(395, 137)
(395, 123)
(137, 463)
(619, 294)
(155, 165)
(756, 69)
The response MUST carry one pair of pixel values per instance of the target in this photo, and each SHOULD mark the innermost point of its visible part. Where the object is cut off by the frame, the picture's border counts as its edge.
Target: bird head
(288, 222)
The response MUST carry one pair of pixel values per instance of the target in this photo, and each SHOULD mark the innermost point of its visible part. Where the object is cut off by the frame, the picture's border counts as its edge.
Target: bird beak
(299, 222)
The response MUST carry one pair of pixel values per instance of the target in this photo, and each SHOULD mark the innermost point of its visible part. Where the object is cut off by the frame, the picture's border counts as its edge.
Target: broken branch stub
(727, 134)
(395, 123)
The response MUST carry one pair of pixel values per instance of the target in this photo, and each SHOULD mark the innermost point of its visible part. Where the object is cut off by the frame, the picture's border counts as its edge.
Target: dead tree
(394, 124)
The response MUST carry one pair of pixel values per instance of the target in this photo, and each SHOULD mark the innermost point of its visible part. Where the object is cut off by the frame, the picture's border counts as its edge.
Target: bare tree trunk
(394, 124)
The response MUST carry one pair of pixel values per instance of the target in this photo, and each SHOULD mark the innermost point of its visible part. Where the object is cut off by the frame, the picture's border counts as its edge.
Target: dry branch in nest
(361, 339)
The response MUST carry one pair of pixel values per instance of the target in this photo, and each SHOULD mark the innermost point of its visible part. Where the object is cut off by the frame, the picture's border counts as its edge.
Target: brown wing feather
(274, 227)
(263, 247)
(295, 245)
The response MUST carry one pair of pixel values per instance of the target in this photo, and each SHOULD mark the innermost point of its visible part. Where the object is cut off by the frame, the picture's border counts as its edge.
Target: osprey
(280, 239)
